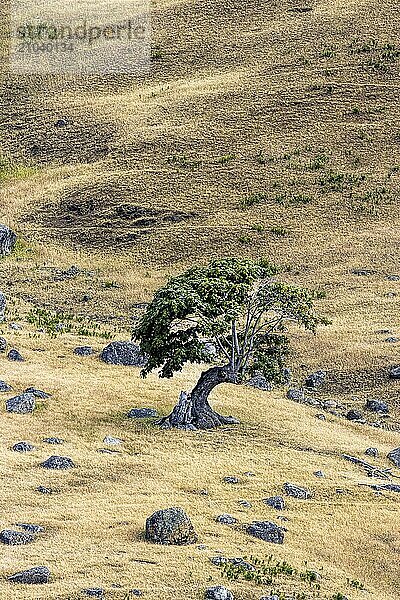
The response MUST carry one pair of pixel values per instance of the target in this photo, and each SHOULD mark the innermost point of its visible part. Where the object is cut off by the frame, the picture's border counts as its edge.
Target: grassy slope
(233, 81)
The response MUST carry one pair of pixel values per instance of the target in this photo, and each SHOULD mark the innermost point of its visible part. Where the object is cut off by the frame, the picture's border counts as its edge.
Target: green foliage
(279, 231)
(10, 170)
(338, 182)
(253, 199)
(235, 303)
(56, 323)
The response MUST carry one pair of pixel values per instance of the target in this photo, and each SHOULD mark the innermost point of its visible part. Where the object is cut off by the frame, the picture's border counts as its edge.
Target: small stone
(44, 490)
(142, 413)
(273, 597)
(15, 538)
(94, 592)
(230, 479)
(244, 503)
(218, 592)
(36, 575)
(4, 387)
(53, 440)
(315, 379)
(15, 356)
(3, 344)
(63, 122)
(393, 277)
(363, 272)
(276, 502)
(394, 373)
(23, 447)
(171, 526)
(226, 519)
(372, 452)
(330, 404)
(15, 326)
(354, 415)
(113, 441)
(83, 351)
(267, 531)
(394, 456)
(37, 393)
(136, 592)
(23, 404)
(250, 474)
(392, 340)
(377, 406)
(58, 462)
(321, 417)
(30, 527)
(319, 474)
(296, 491)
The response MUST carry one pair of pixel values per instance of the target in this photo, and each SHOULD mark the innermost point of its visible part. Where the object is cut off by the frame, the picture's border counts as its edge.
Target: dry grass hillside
(262, 130)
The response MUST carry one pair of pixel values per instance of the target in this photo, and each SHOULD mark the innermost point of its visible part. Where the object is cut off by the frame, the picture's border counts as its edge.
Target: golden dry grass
(244, 99)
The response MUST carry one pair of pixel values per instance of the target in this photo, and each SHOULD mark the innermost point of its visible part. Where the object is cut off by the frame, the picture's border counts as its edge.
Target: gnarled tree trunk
(193, 410)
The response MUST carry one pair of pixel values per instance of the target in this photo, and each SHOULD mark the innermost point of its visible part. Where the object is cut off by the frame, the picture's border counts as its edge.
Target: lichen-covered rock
(377, 406)
(354, 415)
(267, 531)
(394, 456)
(259, 382)
(4, 387)
(23, 404)
(36, 575)
(23, 447)
(123, 353)
(276, 502)
(58, 462)
(83, 351)
(296, 491)
(218, 592)
(7, 240)
(171, 526)
(226, 519)
(142, 413)
(94, 592)
(315, 379)
(15, 538)
(53, 440)
(37, 393)
(374, 452)
(15, 356)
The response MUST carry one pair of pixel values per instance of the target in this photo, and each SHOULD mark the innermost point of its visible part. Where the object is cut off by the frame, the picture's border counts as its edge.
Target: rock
(244, 503)
(389, 487)
(394, 372)
(94, 592)
(83, 351)
(36, 575)
(328, 404)
(276, 502)
(372, 452)
(23, 404)
(315, 379)
(393, 277)
(218, 592)
(321, 417)
(392, 340)
(363, 272)
(226, 519)
(58, 462)
(260, 382)
(7, 240)
(221, 560)
(15, 326)
(15, 356)
(113, 441)
(30, 527)
(296, 395)
(4, 387)
(37, 393)
(171, 526)
(15, 538)
(3, 344)
(296, 491)
(142, 413)
(230, 479)
(3, 305)
(63, 122)
(123, 353)
(354, 415)
(319, 474)
(267, 531)
(53, 440)
(377, 406)
(136, 592)
(44, 490)
(394, 456)
(273, 597)
(23, 447)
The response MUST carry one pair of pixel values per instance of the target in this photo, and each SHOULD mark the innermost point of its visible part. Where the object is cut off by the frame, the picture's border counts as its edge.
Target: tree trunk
(193, 410)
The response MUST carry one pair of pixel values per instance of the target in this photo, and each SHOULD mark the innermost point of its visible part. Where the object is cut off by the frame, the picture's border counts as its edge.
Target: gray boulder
(315, 379)
(3, 344)
(296, 395)
(394, 456)
(53, 440)
(3, 304)
(37, 393)
(36, 575)
(226, 519)
(15, 538)
(94, 592)
(374, 452)
(394, 372)
(23, 404)
(142, 413)
(295, 491)
(218, 592)
(377, 406)
(4, 387)
(267, 531)
(123, 353)
(83, 351)
(113, 441)
(276, 502)
(7, 240)
(259, 382)
(23, 447)
(231, 479)
(354, 415)
(171, 526)
(15, 356)
(58, 462)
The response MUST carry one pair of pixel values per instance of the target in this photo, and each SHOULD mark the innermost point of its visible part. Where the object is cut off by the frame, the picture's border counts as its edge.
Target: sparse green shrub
(279, 231)
(336, 182)
(223, 160)
(56, 323)
(253, 199)
(259, 227)
(287, 199)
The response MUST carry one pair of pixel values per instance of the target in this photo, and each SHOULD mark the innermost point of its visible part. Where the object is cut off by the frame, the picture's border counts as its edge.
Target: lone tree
(241, 310)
